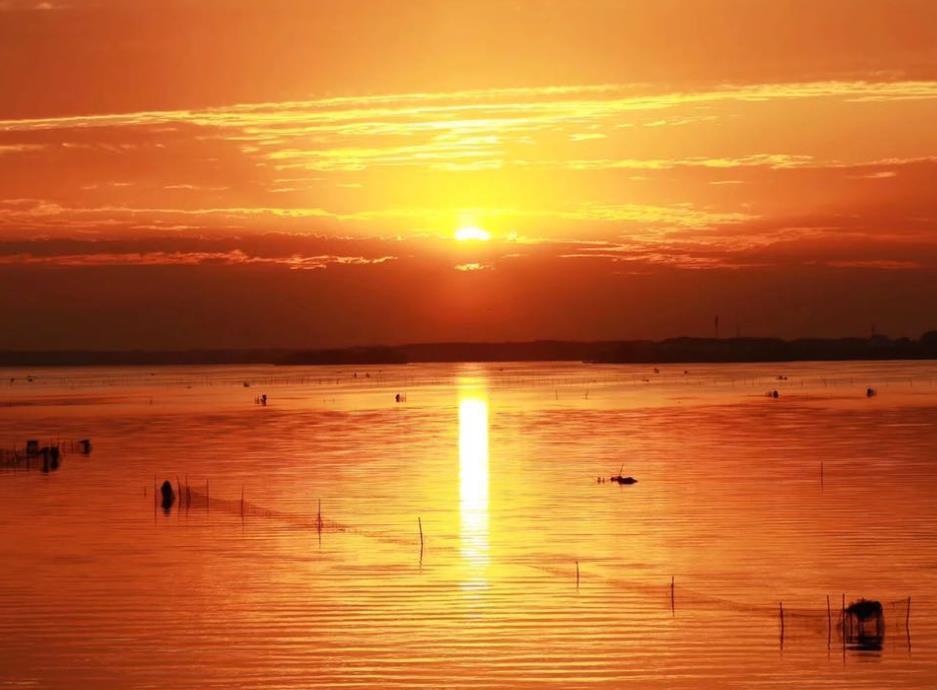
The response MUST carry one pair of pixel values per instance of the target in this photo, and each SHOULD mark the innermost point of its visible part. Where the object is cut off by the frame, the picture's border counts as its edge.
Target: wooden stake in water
(829, 622)
(781, 614)
(242, 501)
(319, 518)
(843, 623)
(207, 497)
(673, 610)
(577, 574)
(907, 616)
(419, 521)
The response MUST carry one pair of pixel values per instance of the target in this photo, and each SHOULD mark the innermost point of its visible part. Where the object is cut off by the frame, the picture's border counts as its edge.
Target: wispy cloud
(624, 163)
(475, 127)
(30, 5)
(877, 264)
(805, 249)
(18, 148)
(234, 257)
(39, 212)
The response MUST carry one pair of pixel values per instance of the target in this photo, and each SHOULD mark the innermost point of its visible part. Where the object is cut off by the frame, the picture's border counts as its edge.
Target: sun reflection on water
(473, 486)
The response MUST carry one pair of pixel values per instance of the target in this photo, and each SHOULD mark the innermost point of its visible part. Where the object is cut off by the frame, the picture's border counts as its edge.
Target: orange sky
(232, 173)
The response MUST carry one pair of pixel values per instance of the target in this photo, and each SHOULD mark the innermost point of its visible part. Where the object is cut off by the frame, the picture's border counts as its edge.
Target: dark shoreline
(672, 350)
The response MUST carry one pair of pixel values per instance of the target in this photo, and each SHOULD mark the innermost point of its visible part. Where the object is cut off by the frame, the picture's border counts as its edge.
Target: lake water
(749, 503)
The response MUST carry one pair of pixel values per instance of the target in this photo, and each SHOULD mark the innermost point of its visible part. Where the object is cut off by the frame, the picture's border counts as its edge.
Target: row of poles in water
(854, 620)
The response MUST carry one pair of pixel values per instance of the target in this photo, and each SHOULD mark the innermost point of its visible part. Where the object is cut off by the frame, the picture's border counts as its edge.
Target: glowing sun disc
(471, 233)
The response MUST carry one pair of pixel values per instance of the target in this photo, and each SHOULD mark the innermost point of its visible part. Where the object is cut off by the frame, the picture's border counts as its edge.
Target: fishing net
(830, 619)
(45, 455)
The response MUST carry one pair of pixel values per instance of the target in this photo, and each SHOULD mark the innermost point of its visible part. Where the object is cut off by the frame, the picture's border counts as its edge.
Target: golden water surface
(529, 572)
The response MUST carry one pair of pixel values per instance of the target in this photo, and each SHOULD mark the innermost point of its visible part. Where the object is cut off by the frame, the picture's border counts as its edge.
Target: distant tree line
(629, 351)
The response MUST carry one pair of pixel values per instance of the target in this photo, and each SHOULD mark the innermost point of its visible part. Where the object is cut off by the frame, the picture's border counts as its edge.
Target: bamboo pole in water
(419, 522)
(781, 614)
(843, 623)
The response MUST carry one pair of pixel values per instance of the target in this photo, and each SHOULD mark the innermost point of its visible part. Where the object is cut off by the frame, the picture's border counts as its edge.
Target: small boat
(623, 480)
(168, 495)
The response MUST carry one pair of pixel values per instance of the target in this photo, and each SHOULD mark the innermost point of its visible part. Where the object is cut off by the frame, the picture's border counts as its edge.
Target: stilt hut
(864, 624)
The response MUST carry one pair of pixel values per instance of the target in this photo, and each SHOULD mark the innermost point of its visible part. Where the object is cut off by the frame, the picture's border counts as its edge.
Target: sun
(472, 233)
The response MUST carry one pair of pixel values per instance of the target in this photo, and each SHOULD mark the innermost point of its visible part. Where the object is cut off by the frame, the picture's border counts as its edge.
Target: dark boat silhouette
(168, 496)
(621, 479)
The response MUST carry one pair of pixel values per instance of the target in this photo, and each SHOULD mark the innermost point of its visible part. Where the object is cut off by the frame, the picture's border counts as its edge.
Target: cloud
(477, 129)
(234, 257)
(45, 213)
(541, 162)
(18, 148)
(774, 161)
(796, 249)
(877, 264)
(30, 6)
(880, 175)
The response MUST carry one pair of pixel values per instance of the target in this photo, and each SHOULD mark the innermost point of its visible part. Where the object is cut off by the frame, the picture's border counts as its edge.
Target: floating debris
(85, 446)
(32, 447)
(870, 392)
